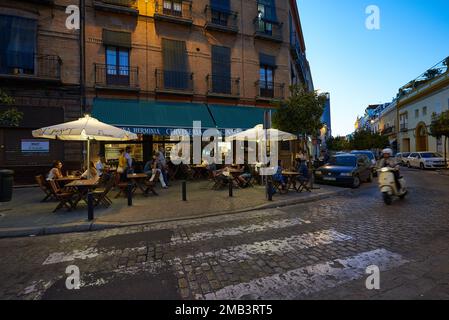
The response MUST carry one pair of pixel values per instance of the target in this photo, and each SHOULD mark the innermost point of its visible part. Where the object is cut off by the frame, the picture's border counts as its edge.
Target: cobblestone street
(316, 250)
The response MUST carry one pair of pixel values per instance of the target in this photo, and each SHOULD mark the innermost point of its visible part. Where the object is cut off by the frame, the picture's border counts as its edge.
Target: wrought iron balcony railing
(223, 86)
(116, 77)
(388, 130)
(174, 81)
(404, 127)
(268, 30)
(42, 67)
(270, 90)
(221, 20)
(124, 3)
(175, 11)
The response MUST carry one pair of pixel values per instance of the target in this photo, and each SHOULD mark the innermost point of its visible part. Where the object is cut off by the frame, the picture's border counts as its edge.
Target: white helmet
(388, 150)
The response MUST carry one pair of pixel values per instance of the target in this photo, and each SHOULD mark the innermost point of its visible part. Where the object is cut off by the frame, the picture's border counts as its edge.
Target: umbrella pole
(88, 157)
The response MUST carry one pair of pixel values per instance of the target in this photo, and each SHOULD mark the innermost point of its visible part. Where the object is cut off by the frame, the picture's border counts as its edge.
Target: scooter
(388, 186)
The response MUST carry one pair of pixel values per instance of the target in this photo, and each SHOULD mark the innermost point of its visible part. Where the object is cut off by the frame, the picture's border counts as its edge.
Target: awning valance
(237, 117)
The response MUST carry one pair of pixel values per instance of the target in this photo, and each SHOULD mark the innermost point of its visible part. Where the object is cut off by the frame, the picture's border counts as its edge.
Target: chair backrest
(54, 186)
(41, 182)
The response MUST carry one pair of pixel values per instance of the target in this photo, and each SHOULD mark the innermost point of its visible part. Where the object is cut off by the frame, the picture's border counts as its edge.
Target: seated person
(93, 172)
(100, 165)
(55, 172)
(246, 176)
(152, 168)
(278, 177)
(303, 171)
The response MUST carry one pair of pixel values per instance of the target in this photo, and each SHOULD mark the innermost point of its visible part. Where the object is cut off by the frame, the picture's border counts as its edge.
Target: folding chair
(42, 183)
(64, 197)
(304, 185)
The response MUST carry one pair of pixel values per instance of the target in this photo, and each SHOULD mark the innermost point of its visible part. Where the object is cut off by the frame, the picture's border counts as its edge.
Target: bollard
(230, 189)
(184, 191)
(130, 194)
(270, 190)
(90, 206)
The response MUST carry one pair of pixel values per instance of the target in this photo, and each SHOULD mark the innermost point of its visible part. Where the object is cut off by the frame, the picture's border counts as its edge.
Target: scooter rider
(389, 161)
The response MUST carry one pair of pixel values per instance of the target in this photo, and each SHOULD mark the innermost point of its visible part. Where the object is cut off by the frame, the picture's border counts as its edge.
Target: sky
(359, 67)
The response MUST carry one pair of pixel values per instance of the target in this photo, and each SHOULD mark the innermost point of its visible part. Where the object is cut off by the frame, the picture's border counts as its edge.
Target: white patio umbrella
(258, 132)
(84, 129)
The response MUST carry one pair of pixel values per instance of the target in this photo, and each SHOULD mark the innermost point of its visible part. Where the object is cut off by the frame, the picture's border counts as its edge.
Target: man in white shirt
(99, 165)
(129, 159)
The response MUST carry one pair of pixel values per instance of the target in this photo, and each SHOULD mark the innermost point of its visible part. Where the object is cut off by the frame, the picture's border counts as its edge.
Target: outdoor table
(199, 171)
(83, 187)
(62, 182)
(291, 179)
(138, 182)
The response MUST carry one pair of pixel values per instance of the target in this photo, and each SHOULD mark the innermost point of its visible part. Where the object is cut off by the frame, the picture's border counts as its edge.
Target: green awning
(151, 117)
(237, 117)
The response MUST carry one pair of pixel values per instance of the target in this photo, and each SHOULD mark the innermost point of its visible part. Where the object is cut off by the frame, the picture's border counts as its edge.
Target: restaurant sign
(161, 131)
(35, 146)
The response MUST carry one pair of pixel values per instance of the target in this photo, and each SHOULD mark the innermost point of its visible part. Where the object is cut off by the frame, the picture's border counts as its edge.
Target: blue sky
(360, 66)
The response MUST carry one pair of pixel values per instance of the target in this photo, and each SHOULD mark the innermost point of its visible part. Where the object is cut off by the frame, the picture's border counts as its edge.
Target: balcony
(388, 130)
(118, 6)
(221, 20)
(179, 12)
(404, 127)
(45, 68)
(116, 77)
(219, 86)
(170, 81)
(266, 30)
(270, 90)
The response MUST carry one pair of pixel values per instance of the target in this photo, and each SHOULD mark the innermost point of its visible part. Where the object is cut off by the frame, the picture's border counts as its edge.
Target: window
(424, 111)
(266, 16)
(117, 65)
(173, 8)
(417, 113)
(17, 45)
(221, 69)
(266, 81)
(219, 17)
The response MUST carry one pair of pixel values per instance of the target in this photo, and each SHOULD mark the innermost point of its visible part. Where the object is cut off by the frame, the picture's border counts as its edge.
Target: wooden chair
(101, 194)
(304, 184)
(64, 197)
(45, 187)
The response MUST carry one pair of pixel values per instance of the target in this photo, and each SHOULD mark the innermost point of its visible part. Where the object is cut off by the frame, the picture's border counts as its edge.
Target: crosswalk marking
(310, 279)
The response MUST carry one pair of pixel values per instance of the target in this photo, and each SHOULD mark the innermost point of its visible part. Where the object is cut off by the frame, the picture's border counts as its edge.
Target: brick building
(152, 66)
(39, 69)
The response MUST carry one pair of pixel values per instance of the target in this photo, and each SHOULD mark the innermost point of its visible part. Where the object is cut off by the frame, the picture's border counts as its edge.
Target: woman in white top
(55, 172)
(93, 172)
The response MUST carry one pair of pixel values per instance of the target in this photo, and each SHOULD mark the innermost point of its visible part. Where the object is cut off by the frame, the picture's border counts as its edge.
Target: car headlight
(346, 174)
(318, 173)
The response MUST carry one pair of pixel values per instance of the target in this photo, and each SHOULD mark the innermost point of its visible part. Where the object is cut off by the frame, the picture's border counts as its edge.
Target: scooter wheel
(387, 198)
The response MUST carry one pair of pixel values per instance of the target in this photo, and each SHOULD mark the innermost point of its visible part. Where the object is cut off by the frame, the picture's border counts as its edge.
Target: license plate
(329, 179)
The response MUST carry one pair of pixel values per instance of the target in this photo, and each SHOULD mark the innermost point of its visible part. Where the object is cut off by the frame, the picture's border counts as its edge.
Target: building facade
(40, 71)
(150, 66)
(156, 66)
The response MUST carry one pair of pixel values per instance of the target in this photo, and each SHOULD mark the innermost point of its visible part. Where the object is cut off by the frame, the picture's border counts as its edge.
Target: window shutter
(221, 69)
(117, 38)
(221, 5)
(267, 60)
(270, 10)
(175, 64)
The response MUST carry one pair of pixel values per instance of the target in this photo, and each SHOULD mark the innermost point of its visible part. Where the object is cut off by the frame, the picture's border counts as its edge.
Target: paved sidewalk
(26, 215)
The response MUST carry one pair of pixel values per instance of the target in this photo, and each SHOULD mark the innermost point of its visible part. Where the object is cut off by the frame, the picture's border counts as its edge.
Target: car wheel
(421, 166)
(387, 198)
(356, 182)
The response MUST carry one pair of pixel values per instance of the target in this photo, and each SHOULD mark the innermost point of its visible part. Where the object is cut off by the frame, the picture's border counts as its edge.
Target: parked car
(371, 157)
(401, 158)
(425, 160)
(345, 169)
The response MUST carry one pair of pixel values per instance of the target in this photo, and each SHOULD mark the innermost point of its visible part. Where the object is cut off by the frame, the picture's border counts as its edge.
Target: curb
(93, 226)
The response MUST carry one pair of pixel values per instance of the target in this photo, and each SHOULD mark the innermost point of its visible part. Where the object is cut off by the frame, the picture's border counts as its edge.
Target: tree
(12, 116)
(338, 144)
(366, 140)
(301, 113)
(439, 128)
